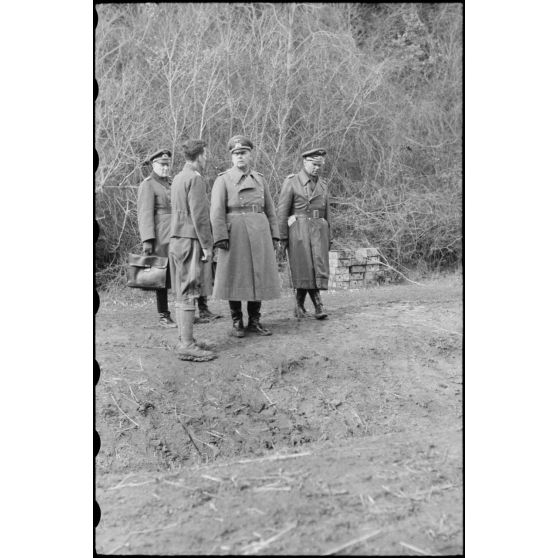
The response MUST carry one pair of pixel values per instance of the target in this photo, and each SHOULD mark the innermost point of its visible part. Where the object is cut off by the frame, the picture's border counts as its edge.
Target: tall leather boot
(163, 308)
(315, 296)
(206, 315)
(300, 311)
(187, 348)
(254, 314)
(236, 315)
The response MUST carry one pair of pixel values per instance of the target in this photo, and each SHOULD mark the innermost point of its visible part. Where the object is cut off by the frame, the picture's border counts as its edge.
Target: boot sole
(165, 326)
(196, 358)
(321, 317)
(259, 333)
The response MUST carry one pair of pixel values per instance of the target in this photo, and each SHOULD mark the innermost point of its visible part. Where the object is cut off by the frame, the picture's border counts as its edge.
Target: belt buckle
(316, 213)
(254, 209)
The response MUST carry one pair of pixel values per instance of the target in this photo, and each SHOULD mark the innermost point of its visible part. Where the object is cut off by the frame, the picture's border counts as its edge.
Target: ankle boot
(163, 308)
(187, 348)
(206, 315)
(320, 312)
(300, 311)
(165, 320)
(254, 324)
(236, 315)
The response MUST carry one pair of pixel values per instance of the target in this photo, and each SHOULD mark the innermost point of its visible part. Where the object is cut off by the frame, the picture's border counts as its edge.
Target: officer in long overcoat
(305, 231)
(245, 231)
(154, 219)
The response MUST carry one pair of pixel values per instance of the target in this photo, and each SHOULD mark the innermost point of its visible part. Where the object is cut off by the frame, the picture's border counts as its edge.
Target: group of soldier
(238, 228)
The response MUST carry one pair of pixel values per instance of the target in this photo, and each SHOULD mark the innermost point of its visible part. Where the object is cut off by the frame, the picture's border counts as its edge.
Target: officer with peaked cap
(305, 230)
(154, 218)
(245, 231)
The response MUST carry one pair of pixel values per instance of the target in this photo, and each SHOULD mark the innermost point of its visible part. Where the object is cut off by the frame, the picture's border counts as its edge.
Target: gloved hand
(147, 247)
(223, 244)
(206, 254)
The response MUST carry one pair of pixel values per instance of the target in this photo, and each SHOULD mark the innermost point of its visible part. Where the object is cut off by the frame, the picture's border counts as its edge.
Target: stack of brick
(353, 269)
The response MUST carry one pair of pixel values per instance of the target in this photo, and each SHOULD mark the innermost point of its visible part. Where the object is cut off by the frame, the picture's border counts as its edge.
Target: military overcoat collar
(164, 181)
(304, 179)
(236, 175)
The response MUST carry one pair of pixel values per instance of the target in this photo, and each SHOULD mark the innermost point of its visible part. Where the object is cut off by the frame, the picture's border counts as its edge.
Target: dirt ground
(341, 436)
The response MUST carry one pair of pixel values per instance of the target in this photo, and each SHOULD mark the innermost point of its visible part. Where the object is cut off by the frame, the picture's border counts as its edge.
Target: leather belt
(310, 214)
(162, 211)
(245, 209)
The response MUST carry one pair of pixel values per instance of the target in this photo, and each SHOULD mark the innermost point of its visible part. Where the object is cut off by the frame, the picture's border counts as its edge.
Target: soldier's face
(161, 169)
(313, 168)
(242, 158)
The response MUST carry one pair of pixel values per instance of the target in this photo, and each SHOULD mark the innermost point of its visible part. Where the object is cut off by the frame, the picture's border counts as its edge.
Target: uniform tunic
(190, 231)
(248, 269)
(309, 236)
(154, 214)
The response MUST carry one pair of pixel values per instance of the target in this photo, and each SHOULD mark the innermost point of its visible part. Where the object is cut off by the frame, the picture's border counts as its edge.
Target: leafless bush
(379, 86)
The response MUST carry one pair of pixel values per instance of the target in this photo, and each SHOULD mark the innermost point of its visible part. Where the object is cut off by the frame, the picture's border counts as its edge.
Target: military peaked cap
(239, 142)
(317, 152)
(161, 156)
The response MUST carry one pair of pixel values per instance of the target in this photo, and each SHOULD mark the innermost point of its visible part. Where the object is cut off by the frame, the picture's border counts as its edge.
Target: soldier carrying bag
(147, 272)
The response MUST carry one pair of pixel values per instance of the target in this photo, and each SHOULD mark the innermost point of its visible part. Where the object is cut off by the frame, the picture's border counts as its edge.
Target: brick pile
(354, 269)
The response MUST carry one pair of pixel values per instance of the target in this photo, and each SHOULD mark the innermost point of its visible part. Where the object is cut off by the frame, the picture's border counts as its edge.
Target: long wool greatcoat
(248, 269)
(309, 236)
(154, 213)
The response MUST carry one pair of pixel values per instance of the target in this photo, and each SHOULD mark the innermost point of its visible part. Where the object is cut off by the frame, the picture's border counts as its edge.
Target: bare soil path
(338, 436)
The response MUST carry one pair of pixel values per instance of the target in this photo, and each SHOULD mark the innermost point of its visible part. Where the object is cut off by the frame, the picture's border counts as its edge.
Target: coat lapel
(319, 190)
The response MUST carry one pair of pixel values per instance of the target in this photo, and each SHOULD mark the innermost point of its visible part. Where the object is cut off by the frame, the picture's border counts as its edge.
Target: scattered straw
(267, 397)
(187, 431)
(415, 549)
(351, 543)
(131, 420)
(255, 547)
(261, 459)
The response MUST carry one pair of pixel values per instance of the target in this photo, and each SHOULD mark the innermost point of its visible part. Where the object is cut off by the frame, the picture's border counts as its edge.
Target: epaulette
(221, 173)
(258, 172)
(291, 175)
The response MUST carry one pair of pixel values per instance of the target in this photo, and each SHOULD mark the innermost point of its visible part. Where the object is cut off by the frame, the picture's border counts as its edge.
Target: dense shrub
(378, 85)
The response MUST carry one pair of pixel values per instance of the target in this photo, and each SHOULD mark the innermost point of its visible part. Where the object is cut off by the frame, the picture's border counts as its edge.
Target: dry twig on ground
(351, 543)
(258, 546)
(119, 408)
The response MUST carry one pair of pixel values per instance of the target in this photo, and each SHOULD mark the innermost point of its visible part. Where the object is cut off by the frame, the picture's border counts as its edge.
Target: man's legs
(254, 307)
(315, 296)
(236, 315)
(187, 348)
(300, 311)
(183, 256)
(163, 308)
(206, 315)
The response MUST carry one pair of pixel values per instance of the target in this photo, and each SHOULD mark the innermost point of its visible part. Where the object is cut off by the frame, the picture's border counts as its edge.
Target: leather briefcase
(147, 272)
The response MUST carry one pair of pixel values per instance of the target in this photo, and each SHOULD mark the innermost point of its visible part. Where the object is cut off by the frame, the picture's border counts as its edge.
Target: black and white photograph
(279, 266)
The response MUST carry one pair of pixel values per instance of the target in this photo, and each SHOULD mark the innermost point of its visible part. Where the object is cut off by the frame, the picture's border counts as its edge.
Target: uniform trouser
(162, 300)
(253, 307)
(185, 268)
